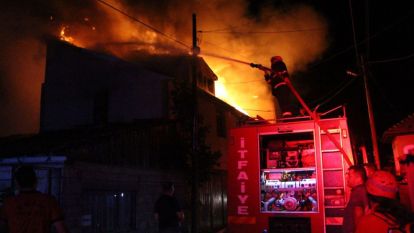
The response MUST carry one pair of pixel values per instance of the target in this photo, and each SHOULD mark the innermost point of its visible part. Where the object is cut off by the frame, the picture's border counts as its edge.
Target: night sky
(384, 34)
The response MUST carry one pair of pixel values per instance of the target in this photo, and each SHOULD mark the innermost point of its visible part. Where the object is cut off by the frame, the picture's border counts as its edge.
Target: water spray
(253, 65)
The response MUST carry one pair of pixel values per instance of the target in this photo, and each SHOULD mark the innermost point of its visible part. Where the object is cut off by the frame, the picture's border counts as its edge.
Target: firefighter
(388, 215)
(280, 90)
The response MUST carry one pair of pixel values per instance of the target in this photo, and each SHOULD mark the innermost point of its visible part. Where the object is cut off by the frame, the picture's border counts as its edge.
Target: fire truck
(289, 176)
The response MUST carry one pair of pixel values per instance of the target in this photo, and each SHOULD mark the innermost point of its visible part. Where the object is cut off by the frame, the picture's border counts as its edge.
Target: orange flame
(64, 36)
(239, 85)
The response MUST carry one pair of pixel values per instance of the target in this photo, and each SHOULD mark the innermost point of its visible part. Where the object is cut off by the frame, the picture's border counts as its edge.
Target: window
(111, 211)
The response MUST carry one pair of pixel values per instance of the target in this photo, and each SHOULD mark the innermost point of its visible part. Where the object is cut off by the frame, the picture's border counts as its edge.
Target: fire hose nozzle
(255, 65)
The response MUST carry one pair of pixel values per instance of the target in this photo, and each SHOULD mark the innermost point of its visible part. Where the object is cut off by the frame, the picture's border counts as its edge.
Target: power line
(354, 32)
(143, 23)
(236, 83)
(225, 29)
(224, 49)
(381, 91)
(256, 110)
(392, 59)
(261, 32)
(396, 22)
(330, 96)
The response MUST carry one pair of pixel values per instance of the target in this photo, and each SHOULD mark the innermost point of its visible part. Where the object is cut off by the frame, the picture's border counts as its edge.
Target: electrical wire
(381, 91)
(224, 49)
(392, 59)
(226, 28)
(237, 83)
(256, 110)
(354, 32)
(143, 23)
(339, 89)
(396, 22)
(261, 32)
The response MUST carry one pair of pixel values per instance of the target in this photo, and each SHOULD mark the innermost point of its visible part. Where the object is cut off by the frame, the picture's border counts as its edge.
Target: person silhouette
(167, 210)
(280, 90)
(30, 210)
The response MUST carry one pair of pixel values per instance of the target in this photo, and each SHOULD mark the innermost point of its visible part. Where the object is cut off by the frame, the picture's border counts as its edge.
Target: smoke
(297, 34)
(227, 28)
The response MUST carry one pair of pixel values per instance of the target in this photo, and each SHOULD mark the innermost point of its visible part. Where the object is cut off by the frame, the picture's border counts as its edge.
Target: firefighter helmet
(382, 184)
(275, 59)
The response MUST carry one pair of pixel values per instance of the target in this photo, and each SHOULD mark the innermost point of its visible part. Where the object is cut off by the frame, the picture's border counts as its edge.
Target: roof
(170, 64)
(404, 127)
(224, 105)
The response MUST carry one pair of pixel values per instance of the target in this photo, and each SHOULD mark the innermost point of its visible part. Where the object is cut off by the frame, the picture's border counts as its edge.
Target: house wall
(84, 88)
(217, 115)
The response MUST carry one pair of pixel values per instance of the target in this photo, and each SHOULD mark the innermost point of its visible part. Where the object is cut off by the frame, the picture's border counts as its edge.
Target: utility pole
(371, 116)
(194, 151)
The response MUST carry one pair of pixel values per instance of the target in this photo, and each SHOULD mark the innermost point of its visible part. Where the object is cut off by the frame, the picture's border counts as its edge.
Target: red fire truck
(288, 176)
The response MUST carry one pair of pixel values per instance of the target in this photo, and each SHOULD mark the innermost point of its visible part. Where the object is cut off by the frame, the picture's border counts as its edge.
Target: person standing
(280, 90)
(387, 215)
(167, 210)
(30, 210)
(358, 201)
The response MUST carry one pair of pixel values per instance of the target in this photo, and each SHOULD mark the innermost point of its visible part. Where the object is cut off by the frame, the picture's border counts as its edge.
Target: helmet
(382, 184)
(275, 59)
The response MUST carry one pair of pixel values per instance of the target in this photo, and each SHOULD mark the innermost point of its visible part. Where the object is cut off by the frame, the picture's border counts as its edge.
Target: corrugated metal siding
(213, 203)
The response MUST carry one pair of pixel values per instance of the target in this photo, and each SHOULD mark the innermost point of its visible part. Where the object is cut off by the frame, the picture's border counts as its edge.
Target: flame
(238, 84)
(232, 26)
(250, 97)
(64, 36)
(222, 94)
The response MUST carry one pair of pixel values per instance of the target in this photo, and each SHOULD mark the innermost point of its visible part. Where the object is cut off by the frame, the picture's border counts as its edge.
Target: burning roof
(122, 28)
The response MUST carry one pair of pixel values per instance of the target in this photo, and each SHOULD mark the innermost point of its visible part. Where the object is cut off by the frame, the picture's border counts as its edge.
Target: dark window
(110, 211)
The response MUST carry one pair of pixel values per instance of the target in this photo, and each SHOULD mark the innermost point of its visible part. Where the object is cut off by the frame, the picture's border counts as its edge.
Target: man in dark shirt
(30, 210)
(358, 200)
(168, 211)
